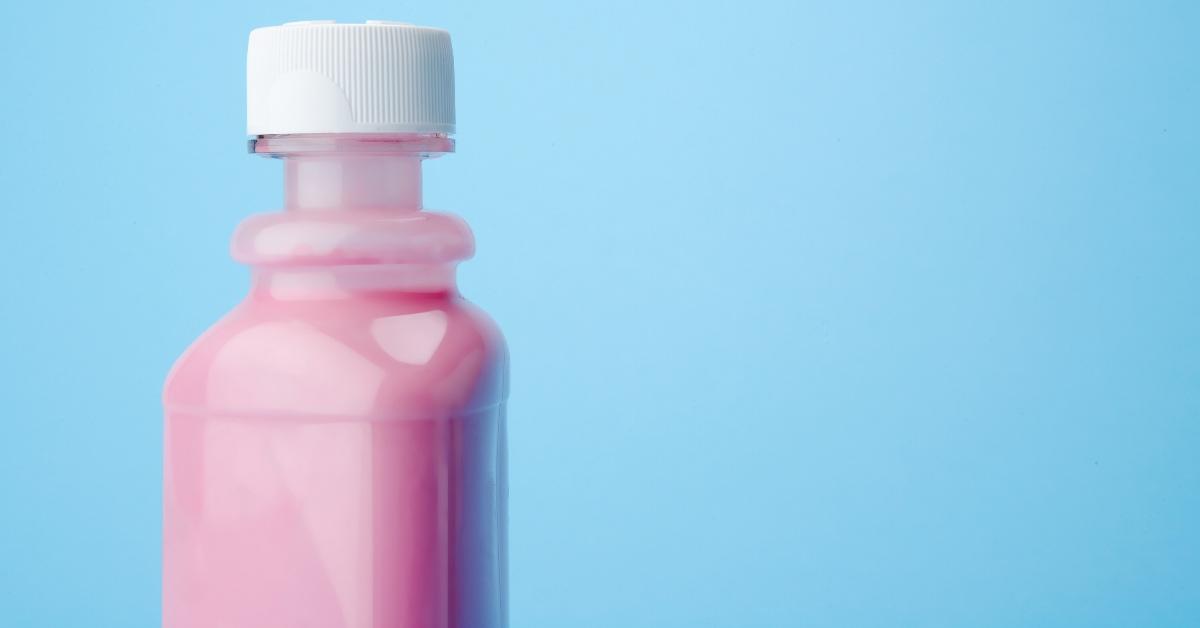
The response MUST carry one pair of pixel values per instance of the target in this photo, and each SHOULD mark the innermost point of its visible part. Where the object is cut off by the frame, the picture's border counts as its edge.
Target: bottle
(334, 447)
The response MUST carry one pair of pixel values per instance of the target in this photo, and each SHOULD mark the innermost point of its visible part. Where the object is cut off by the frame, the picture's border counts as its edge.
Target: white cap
(322, 77)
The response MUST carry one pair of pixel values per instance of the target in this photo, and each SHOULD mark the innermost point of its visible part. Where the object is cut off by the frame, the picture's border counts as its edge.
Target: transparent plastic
(335, 445)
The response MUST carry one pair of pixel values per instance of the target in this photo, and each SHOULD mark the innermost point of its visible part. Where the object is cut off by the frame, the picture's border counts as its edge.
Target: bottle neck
(352, 172)
(353, 222)
(352, 183)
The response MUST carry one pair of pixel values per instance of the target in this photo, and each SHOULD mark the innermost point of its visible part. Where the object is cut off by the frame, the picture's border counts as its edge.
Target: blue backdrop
(821, 314)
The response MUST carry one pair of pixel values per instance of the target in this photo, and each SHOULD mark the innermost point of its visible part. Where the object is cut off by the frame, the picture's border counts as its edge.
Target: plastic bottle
(335, 445)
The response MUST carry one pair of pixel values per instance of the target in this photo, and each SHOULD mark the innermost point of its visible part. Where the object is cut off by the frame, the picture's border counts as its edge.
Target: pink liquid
(334, 449)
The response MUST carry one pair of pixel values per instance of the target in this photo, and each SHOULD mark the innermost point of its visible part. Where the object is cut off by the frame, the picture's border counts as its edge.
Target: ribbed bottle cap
(323, 77)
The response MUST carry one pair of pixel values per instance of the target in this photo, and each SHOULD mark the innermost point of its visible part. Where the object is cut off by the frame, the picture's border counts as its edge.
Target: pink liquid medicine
(335, 445)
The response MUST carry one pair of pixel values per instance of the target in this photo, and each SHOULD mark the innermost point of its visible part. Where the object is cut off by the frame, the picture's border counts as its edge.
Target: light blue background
(822, 314)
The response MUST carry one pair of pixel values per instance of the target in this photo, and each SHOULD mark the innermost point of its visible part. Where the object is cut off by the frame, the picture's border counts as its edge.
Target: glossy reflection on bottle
(335, 445)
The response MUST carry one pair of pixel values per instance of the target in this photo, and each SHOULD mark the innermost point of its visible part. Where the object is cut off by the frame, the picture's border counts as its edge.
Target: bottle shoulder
(395, 357)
